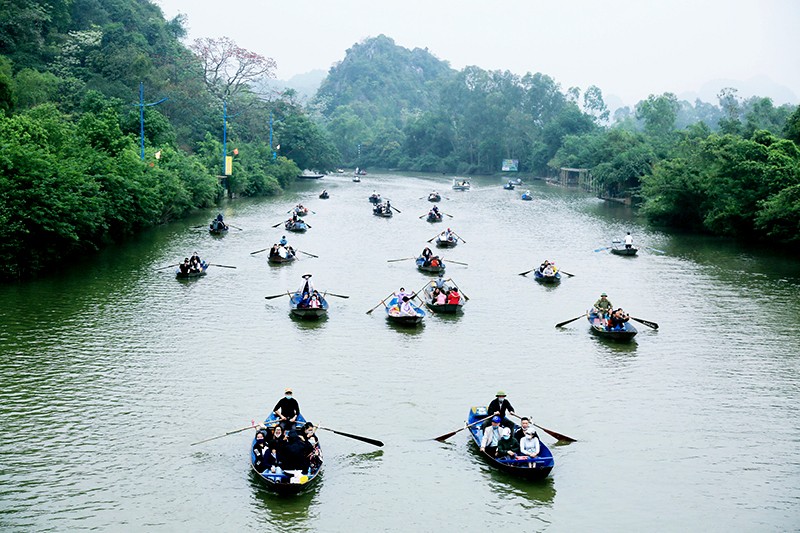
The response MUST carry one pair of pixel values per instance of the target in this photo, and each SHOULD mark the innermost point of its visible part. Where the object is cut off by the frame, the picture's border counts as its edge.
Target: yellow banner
(228, 165)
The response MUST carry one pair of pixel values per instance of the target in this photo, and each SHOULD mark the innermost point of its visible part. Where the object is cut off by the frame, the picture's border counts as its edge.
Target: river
(111, 369)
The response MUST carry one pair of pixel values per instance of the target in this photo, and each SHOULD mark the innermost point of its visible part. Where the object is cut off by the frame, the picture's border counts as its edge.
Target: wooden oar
(393, 207)
(251, 426)
(527, 272)
(403, 259)
(556, 435)
(374, 442)
(311, 255)
(570, 320)
(655, 250)
(567, 273)
(337, 295)
(429, 240)
(603, 248)
(237, 227)
(459, 236)
(447, 214)
(168, 266)
(275, 296)
(379, 303)
(198, 227)
(446, 436)
(645, 322)
(455, 262)
(278, 224)
(223, 266)
(259, 251)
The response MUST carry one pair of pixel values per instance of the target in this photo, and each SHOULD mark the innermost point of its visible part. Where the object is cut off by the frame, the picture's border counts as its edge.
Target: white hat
(506, 431)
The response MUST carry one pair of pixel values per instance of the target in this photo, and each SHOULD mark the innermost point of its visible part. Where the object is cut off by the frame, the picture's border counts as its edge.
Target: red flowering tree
(227, 68)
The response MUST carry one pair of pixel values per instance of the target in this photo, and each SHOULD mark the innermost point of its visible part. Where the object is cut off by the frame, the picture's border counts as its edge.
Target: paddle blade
(526, 272)
(568, 321)
(446, 436)
(374, 442)
(556, 435)
(647, 323)
(274, 296)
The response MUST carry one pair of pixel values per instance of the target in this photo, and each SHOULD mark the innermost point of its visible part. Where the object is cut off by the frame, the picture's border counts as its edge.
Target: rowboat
(303, 311)
(446, 308)
(219, 230)
(509, 186)
(434, 197)
(375, 198)
(300, 211)
(290, 481)
(190, 275)
(429, 268)
(324, 195)
(381, 211)
(434, 217)
(393, 314)
(310, 176)
(624, 332)
(449, 241)
(280, 260)
(542, 278)
(461, 184)
(527, 196)
(530, 468)
(624, 251)
(357, 179)
(298, 226)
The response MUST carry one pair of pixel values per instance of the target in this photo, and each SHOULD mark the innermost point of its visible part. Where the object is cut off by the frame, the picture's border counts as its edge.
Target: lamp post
(142, 105)
(225, 118)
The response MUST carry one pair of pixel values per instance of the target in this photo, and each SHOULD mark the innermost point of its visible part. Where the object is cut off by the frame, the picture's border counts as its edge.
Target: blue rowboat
(527, 197)
(303, 311)
(528, 468)
(541, 278)
(429, 268)
(624, 332)
(393, 314)
(287, 482)
(190, 275)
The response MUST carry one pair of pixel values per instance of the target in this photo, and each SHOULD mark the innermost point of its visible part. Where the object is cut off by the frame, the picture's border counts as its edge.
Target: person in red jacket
(453, 297)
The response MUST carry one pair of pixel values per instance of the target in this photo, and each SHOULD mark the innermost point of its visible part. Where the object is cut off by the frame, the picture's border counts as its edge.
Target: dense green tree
(659, 114)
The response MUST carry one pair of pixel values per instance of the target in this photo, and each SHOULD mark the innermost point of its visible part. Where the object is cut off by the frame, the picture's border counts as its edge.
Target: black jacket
(494, 405)
(288, 406)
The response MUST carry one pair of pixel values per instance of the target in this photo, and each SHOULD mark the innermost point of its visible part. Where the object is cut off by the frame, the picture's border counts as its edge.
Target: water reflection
(289, 512)
(411, 331)
(505, 485)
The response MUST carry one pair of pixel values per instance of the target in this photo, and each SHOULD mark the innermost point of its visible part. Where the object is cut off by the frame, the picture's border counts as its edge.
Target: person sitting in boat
(402, 294)
(543, 266)
(308, 287)
(274, 251)
(427, 253)
(602, 307)
(500, 406)
(491, 436)
(271, 458)
(628, 240)
(195, 263)
(617, 319)
(524, 423)
(309, 434)
(185, 267)
(296, 453)
(287, 409)
(508, 445)
(453, 297)
(529, 445)
(549, 271)
(276, 438)
(260, 450)
(313, 303)
(435, 210)
(441, 298)
(406, 308)
(290, 252)
(435, 261)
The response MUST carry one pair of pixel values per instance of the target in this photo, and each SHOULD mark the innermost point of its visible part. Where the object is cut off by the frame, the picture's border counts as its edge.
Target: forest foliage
(72, 177)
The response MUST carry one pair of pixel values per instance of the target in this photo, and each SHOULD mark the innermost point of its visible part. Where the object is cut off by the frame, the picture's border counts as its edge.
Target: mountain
(305, 84)
(760, 86)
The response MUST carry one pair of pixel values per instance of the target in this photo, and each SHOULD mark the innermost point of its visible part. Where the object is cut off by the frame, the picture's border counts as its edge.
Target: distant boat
(527, 196)
(509, 186)
(307, 175)
(356, 178)
(461, 184)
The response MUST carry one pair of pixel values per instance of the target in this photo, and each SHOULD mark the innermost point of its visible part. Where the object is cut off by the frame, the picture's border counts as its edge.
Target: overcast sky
(628, 48)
